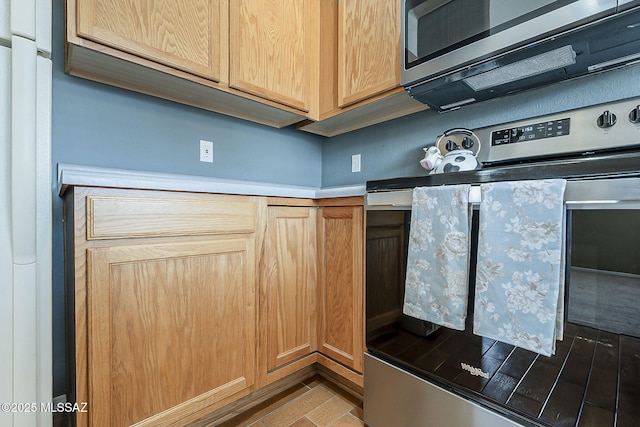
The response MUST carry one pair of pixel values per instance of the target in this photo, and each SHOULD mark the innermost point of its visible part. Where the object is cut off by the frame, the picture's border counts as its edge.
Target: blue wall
(98, 125)
(394, 148)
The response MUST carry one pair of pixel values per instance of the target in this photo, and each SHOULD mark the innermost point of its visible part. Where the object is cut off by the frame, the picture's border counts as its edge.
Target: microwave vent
(539, 64)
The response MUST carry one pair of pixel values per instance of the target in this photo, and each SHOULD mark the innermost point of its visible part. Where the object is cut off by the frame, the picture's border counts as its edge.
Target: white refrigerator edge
(25, 212)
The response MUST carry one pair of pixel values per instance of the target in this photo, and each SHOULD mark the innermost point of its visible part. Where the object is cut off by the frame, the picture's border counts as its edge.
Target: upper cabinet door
(188, 35)
(368, 48)
(269, 56)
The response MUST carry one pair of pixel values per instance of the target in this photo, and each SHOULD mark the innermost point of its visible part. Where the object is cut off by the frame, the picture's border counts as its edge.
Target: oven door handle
(611, 193)
(403, 199)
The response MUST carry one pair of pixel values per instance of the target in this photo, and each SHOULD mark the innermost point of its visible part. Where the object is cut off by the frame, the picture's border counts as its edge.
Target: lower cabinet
(340, 303)
(169, 322)
(289, 291)
(312, 297)
(163, 298)
(181, 305)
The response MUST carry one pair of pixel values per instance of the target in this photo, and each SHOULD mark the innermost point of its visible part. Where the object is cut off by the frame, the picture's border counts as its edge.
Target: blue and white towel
(521, 263)
(437, 283)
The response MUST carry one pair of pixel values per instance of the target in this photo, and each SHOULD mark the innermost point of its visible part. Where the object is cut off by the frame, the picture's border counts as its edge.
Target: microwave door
(439, 36)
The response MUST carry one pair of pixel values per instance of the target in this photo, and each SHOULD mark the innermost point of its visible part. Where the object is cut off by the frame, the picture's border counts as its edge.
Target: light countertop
(78, 175)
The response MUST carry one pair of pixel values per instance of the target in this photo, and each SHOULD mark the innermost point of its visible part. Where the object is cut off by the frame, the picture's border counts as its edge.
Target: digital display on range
(532, 132)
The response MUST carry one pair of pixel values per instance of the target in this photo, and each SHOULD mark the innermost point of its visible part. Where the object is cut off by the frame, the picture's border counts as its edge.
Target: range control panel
(542, 130)
(579, 132)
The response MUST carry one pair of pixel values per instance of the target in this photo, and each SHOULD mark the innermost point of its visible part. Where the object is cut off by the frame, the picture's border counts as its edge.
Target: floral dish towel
(521, 264)
(437, 282)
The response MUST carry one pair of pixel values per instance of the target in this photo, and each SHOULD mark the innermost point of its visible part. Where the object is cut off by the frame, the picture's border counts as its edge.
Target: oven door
(442, 35)
(411, 364)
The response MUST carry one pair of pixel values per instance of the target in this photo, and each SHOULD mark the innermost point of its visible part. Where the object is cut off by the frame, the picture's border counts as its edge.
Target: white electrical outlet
(355, 163)
(206, 151)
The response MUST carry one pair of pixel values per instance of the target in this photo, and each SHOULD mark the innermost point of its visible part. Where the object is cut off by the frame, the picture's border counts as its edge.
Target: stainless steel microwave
(470, 37)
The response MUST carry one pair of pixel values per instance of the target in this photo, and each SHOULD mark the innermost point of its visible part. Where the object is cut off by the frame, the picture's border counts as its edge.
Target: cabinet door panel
(116, 217)
(269, 49)
(189, 35)
(291, 284)
(368, 48)
(169, 323)
(340, 289)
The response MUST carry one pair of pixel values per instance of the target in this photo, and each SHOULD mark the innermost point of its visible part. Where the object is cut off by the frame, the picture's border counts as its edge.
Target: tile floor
(313, 402)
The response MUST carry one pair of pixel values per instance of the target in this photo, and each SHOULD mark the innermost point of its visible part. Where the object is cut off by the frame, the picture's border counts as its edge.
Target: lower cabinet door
(291, 284)
(171, 328)
(340, 287)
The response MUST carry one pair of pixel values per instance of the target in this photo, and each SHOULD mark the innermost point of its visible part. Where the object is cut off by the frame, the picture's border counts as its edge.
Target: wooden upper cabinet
(269, 49)
(189, 35)
(368, 48)
(330, 66)
(359, 72)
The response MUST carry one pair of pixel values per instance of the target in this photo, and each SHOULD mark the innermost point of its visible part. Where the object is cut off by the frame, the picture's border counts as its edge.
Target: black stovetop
(588, 166)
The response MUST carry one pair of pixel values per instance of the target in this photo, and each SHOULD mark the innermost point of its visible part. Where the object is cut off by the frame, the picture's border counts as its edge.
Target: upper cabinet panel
(268, 46)
(188, 35)
(368, 48)
(329, 66)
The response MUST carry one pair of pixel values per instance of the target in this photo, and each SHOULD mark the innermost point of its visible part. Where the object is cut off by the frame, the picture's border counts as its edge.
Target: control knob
(467, 143)
(450, 146)
(634, 115)
(606, 120)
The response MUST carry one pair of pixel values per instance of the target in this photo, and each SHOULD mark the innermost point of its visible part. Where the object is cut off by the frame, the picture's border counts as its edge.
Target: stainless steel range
(421, 374)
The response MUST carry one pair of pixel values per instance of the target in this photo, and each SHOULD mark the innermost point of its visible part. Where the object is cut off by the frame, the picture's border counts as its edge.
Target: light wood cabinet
(271, 49)
(329, 66)
(168, 323)
(368, 48)
(176, 50)
(311, 298)
(182, 305)
(340, 289)
(359, 74)
(291, 284)
(192, 37)
(165, 293)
